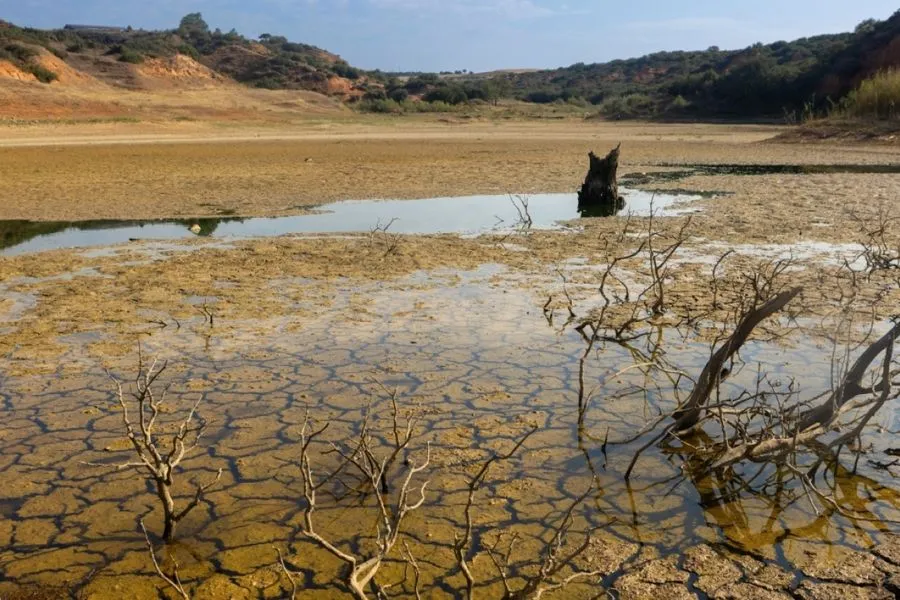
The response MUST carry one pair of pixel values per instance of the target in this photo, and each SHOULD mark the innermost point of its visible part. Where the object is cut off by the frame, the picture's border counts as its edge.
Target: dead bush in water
(158, 458)
(524, 221)
(770, 423)
(363, 471)
(382, 238)
(879, 240)
(723, 431)
(629, 306)
(371, 470)
(173, 581)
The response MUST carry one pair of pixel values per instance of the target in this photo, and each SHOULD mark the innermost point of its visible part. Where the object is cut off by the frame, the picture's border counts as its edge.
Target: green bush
(429, 107)
(389, 106)
(375, 94)
(398, 94)
(628, 107)
(542, 97)
(422, 83)
(614, 108)
(342, 69)
(131, 56)
(679, 105)
(20, 53)
(451, 94)
(189, 50)
(381, 106)
(578, 101)
(43, 74)
(268, 83)
(62, 54)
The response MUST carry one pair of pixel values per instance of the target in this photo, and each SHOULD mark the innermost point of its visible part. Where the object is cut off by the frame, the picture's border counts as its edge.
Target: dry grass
(876, 98)
(29, 101)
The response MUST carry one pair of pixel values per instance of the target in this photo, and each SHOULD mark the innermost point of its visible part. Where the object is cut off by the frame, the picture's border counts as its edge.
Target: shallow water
(476, 355)
(683, 171)
(464, 215)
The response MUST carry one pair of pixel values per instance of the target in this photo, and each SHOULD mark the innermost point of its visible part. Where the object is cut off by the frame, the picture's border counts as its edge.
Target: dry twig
(361, 570)
(174, 581)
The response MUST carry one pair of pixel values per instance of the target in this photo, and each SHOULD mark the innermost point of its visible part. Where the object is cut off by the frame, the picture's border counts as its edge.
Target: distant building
(95, 28)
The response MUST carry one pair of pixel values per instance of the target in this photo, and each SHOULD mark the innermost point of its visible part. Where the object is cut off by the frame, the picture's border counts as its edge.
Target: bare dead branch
(158, 464)
(851, 386)
(287, 572)
(520, 202)
(174, 581)
(380, 234)
(417, 573)
(462, 543)
(361, 570)
(688, 415)
(809, 428)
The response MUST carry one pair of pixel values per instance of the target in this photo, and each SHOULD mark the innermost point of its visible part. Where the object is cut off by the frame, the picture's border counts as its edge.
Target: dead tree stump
(599, 195)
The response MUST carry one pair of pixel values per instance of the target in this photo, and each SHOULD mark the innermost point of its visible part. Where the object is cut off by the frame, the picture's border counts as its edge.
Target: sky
(478, 35)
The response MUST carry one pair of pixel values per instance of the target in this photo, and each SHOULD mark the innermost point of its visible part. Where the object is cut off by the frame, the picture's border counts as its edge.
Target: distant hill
(759, 81)
(785, 80)
(129, 58)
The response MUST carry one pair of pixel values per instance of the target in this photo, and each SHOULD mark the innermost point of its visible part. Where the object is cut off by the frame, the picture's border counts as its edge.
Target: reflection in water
(18, 233)
(207, 226)
(483, 368)
(758, 509)
(601, 210)
(464, 215)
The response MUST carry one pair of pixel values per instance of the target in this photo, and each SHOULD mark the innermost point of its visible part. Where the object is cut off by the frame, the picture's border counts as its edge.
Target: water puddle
(683, 171)
(463, 215)
(802, 253)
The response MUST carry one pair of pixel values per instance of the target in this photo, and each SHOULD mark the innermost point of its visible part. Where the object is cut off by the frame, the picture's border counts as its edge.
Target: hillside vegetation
(760, 81)
(270, 62)
(876, 98)
(797, 81)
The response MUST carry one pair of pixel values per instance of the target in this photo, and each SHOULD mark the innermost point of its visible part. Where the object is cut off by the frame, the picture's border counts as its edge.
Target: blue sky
(478, 35)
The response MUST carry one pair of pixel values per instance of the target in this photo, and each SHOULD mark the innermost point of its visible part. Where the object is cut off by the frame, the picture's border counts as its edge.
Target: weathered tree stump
(599, 195)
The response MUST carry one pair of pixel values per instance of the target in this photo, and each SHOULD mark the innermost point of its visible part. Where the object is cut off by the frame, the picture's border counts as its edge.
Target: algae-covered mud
(481, 364)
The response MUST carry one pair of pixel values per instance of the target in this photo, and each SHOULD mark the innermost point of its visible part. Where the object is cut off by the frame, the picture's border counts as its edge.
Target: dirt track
(146, 171)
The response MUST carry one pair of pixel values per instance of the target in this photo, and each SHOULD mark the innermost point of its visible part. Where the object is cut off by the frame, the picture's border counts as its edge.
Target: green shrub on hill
(760, 81)
(19, 53)
(43, 74)
(129, 55)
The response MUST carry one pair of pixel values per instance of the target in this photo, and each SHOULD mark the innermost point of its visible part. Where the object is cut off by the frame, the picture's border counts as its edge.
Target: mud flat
(195, 170)
(479, 337)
